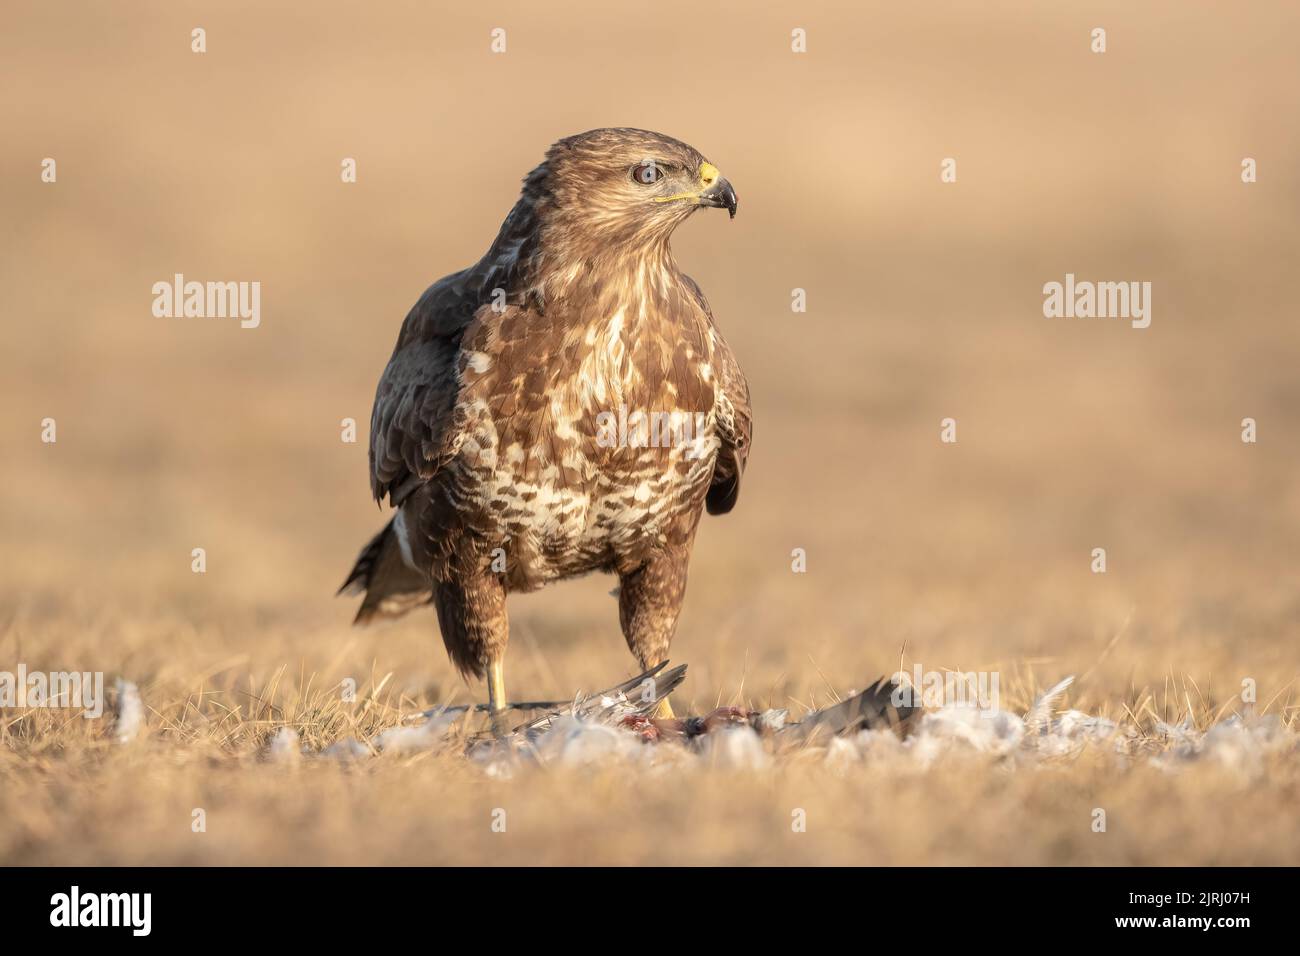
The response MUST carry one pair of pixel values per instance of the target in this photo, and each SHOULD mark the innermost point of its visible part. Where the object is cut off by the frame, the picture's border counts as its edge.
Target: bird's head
(630, 185)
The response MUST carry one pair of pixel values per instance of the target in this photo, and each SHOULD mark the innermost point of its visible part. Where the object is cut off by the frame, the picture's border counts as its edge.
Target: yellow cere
(708, 176)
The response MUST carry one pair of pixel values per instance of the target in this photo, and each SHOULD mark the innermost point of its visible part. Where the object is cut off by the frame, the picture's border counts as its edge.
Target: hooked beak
(714, 192)
(720, 196)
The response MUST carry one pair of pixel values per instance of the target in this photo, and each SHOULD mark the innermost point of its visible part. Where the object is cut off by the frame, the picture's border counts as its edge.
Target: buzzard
(566, 405)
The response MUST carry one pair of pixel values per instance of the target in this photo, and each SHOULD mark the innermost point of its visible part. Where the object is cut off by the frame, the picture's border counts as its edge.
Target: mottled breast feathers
(571, 311)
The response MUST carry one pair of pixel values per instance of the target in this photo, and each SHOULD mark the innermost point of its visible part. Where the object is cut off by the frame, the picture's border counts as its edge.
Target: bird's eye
(647, 174)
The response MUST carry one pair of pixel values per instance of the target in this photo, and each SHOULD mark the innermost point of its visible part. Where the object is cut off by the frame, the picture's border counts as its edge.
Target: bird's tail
(390, 586)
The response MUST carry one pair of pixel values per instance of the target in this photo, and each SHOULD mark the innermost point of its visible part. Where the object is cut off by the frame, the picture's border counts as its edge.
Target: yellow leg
(496, 677)
(663, 710)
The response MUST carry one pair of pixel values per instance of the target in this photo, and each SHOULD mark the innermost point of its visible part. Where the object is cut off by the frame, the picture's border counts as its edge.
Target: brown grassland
(924, 302)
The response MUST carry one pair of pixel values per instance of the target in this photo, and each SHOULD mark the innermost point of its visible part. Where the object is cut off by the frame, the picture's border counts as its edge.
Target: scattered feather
(616, 727)
(346, 750)
(1040, 713)
(428, 735)
(285, 746)
(130, 712)
(576, 742)
(734, 748)
(961, 727)
(770, 721)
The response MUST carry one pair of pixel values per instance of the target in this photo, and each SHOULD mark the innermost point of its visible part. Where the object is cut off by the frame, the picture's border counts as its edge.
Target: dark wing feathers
(873, 709)
(735, 427)
(412, 427)
(414, 430)
(735, 422)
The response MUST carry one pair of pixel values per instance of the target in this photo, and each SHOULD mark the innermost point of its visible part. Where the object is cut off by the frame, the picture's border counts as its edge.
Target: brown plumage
(566, 405)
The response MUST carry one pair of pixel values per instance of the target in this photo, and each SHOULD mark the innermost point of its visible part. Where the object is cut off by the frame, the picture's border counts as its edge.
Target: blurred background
(924, 301)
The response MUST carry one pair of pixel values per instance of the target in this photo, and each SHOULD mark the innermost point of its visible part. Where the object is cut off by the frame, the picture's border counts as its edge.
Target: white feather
(130, 712)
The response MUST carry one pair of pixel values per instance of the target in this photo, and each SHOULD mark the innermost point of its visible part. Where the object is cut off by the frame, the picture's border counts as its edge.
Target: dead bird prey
(567, 405)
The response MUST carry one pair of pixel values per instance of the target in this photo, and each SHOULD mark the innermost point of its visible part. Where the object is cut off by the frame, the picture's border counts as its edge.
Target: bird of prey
(566, 405)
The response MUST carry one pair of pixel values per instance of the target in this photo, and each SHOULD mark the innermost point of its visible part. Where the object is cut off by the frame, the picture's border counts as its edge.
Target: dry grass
(73, 795)
(924, 302)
